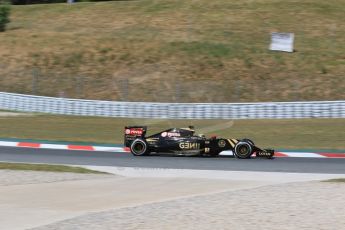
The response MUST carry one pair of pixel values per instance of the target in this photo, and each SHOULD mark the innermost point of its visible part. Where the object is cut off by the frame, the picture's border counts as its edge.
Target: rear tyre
(243, 150)
(139, 147)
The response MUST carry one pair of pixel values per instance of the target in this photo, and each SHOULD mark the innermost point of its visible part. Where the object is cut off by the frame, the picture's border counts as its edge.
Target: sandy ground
(302, 206)
(31, 199)
(36, 200)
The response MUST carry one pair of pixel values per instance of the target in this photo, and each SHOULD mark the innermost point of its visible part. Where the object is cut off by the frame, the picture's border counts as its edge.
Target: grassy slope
(290, 134)
(45, 168)
(161, 46)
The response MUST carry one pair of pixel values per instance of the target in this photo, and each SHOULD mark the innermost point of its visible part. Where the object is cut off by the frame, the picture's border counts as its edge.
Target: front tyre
(243, 150)
(139, 147)
(249, 141)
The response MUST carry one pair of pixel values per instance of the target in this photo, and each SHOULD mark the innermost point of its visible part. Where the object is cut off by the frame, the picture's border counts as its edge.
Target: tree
(4, 15)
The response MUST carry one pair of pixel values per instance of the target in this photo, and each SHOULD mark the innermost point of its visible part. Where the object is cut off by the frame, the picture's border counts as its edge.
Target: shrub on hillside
(4, 16)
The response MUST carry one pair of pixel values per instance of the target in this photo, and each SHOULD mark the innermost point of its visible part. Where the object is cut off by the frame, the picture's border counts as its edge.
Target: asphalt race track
(298, 165)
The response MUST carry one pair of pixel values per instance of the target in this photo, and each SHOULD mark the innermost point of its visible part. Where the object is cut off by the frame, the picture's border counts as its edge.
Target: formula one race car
(183, 142)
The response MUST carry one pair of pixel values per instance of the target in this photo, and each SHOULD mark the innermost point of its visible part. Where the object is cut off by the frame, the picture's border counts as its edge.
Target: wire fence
(172, 89)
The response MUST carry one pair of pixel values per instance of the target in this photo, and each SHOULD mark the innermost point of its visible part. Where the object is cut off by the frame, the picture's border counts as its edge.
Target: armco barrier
(267, 110)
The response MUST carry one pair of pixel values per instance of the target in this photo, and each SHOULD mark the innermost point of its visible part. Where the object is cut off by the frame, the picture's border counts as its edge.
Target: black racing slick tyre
(249, 141)
(139, 147)
(243, 150)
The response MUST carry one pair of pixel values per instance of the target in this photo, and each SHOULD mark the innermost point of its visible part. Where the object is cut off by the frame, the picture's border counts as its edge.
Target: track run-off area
(73, 154)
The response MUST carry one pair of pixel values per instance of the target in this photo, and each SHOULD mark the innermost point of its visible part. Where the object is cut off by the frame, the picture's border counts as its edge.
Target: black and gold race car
(184, 142)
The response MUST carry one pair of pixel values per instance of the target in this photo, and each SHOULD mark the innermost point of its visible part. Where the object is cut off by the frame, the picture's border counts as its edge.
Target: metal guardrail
(266, 110)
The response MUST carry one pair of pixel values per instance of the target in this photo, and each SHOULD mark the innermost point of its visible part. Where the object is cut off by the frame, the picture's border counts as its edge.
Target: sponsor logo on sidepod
(187, 145)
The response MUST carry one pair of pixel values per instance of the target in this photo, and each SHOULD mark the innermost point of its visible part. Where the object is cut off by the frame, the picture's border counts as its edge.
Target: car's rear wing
(133, 132)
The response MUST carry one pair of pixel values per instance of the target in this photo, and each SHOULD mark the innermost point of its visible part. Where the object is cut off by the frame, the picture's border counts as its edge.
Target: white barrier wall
(267, 110)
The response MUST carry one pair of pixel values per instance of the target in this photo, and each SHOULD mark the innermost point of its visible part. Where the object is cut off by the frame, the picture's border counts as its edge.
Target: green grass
(46, 168)
(176, 50)
(203, 48)
(321, 134)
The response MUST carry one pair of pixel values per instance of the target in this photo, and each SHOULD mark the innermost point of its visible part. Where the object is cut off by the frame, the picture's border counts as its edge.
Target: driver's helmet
(201, 135)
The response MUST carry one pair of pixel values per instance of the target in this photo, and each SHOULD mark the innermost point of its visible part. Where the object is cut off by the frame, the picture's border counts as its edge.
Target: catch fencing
(265, 110)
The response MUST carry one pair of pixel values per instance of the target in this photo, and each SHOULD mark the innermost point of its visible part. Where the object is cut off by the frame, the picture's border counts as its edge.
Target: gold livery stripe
(231, 143)
(235, 141)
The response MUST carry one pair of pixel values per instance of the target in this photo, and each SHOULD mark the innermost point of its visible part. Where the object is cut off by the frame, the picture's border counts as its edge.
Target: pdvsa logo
(134, 131)
(168, 134)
